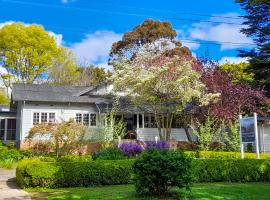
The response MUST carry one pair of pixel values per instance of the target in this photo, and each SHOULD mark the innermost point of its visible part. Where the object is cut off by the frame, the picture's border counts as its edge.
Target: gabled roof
(48, 93)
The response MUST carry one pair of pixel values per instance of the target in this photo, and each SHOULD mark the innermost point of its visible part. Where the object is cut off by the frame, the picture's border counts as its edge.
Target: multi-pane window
(78, 118)
(86, 119)
(35, 118)
(44, 117)
(51, 117)
(93, 118)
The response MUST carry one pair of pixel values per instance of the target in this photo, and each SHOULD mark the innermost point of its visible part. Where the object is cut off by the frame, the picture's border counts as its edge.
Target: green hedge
(225, 155)
(37, 173)
(232, 170)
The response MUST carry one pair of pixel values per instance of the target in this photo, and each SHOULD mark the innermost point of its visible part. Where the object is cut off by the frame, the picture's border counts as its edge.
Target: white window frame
(89, 117)
(39, 120)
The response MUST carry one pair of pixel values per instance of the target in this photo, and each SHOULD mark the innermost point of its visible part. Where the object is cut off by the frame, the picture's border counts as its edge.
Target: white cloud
(226, 32)
(95, 47)
(187, 43)
(58, 38)
(5, 23)
(232, 60)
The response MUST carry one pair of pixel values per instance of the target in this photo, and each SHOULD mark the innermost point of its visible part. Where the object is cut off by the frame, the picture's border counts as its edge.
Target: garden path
(8, 187)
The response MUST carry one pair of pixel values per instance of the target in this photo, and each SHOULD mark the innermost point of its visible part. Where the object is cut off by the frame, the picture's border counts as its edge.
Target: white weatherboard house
(32, 104)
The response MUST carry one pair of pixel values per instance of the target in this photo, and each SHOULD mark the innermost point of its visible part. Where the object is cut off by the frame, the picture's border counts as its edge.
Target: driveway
(8, 188)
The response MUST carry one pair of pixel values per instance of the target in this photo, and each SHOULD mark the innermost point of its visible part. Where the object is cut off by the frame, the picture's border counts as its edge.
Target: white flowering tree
(167, 84)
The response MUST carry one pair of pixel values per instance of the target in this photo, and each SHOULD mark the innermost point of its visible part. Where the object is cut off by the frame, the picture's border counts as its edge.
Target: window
(2, 129)
(86, 119)
(51, 117)
(44, 117)
(93, 119)
(35, 118)
(11, 129)
(78, 117)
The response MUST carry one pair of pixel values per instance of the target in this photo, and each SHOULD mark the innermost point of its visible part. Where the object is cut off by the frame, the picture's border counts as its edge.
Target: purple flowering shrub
(157, 145)
(131, 149)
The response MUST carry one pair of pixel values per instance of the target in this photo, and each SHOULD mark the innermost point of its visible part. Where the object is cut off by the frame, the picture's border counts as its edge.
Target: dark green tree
(257, 26)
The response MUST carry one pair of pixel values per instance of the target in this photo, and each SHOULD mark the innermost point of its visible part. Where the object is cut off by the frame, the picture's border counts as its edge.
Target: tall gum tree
(150, 34)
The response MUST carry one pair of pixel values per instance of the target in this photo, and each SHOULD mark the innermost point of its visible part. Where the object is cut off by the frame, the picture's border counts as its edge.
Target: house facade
(33, 104)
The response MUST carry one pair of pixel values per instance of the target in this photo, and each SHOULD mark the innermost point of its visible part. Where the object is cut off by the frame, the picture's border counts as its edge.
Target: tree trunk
(157, 118)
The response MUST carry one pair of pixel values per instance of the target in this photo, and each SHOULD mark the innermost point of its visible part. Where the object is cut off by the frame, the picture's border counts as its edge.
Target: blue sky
(89, 27)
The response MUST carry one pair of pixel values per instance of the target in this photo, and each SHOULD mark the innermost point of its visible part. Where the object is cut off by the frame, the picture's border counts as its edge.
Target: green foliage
(238, 72)
(4, 100)
(232, 170)
(35, 173)
(64, 70)
(10, 154)
(157, 171)
(256, 26)
(8, 163)
(225, 155)
(92, 75)
(27, 52)
(110, 153)
(232, 137)
(206, 132)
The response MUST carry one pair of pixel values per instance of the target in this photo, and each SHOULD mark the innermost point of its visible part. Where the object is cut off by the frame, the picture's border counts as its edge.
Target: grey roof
(47, 93)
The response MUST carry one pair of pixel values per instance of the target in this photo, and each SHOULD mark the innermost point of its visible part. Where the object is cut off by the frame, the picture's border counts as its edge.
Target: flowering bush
(131, 149)
(157, 145)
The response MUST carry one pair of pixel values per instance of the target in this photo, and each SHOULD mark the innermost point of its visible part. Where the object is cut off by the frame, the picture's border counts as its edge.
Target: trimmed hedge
(36, 173)
(232, 170)
(225, 155)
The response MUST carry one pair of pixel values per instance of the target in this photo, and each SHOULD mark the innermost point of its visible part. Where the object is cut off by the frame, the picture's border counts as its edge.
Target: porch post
(138, 123)
(143, 120)
(5, 132)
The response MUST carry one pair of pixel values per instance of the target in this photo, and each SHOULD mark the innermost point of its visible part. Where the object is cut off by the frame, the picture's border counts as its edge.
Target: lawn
(209, 191)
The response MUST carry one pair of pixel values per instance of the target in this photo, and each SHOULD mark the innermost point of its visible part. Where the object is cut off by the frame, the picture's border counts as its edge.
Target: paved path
(8, 188)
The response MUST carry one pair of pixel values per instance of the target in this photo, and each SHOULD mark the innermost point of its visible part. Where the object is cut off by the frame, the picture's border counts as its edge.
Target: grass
(209, 191)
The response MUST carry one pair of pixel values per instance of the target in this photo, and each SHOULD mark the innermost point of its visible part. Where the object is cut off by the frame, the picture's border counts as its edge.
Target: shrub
(110, 153)
(10, 154)
(7, 164)
(157, 145)
(233, 170)
(131, 149)
(156, 171)
(225, 155)
(74, 158)
(35, 173)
